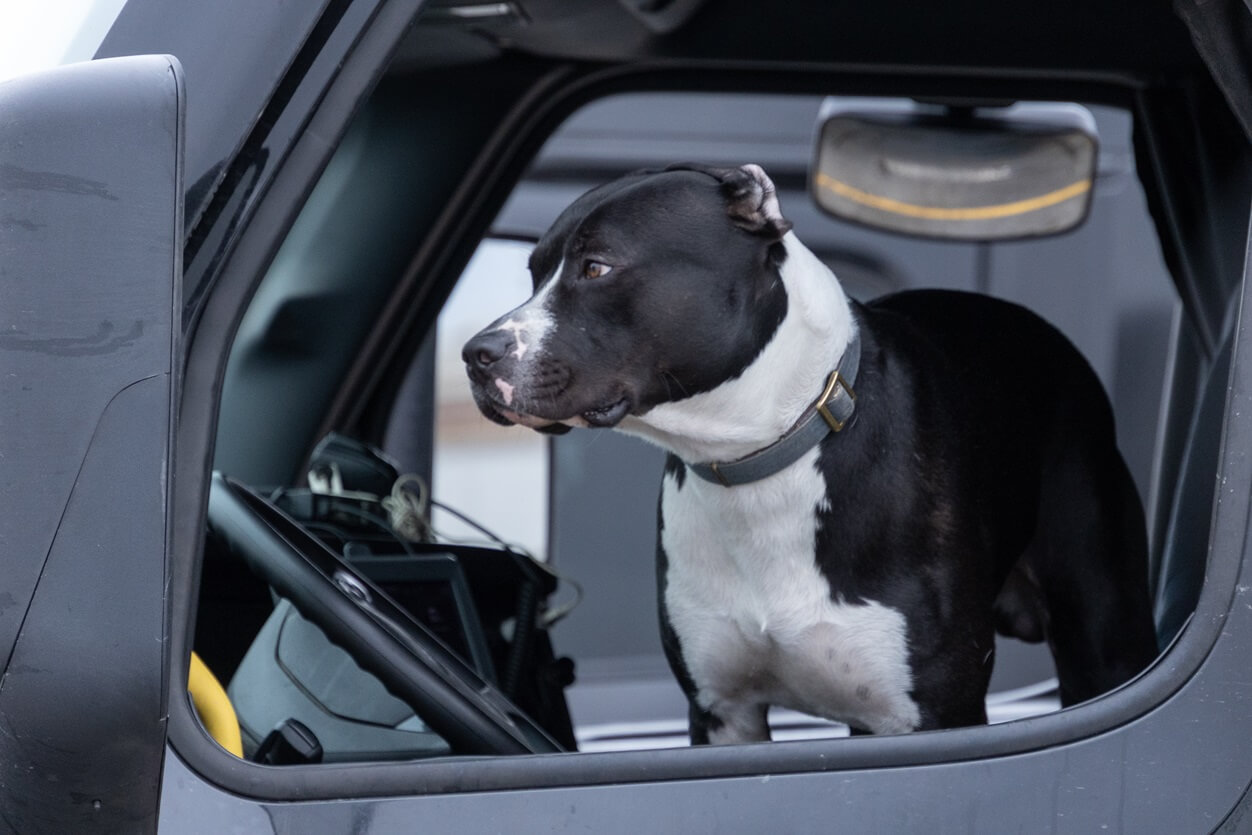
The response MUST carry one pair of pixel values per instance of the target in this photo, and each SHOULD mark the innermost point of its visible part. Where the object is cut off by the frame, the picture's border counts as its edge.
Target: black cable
(467, 520)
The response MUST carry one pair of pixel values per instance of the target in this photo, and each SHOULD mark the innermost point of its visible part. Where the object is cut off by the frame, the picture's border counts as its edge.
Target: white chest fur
(754, 615)
(756, 619)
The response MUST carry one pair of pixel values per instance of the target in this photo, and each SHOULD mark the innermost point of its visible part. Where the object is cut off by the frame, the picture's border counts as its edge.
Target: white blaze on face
(519, 337)
(530, 325)
(506, 391)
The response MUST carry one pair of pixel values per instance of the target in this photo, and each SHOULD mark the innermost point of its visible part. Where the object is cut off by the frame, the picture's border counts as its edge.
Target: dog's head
(648, 289)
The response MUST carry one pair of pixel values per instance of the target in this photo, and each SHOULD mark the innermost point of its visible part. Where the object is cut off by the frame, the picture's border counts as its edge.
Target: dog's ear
(752, 202)
(751, 199)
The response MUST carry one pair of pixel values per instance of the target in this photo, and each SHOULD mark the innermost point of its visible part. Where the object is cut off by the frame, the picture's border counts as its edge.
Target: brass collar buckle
(833, 384)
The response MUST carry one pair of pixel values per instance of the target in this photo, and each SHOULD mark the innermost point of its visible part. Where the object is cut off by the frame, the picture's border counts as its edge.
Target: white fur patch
(770, 208)
(506, 391)
(530, 325)
(519, 337)
(756, 618)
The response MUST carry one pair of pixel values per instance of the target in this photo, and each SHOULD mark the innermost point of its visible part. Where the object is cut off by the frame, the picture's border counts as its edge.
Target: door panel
(90, 255)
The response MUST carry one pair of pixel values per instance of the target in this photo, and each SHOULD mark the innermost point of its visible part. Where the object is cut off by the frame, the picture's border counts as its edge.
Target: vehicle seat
(293, 671)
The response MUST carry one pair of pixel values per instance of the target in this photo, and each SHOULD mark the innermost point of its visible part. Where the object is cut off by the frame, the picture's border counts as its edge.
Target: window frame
(481, 193)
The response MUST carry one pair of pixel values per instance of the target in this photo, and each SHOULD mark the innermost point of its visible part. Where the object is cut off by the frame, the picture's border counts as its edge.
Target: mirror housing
(91, 253)
(955, 172)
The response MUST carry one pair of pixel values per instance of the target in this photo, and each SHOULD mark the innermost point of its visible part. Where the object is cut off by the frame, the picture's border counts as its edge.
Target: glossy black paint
(90, 197)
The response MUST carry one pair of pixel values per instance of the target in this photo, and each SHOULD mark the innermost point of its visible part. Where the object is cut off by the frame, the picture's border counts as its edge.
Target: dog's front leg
(728, 723)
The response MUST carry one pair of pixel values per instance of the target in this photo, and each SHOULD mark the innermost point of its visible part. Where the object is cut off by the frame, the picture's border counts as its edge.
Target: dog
(857, 497)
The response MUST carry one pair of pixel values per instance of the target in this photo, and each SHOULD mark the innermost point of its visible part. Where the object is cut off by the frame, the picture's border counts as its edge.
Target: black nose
(486, 349)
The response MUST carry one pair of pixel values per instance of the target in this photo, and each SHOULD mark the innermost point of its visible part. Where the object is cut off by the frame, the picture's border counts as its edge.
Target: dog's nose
(486, 349)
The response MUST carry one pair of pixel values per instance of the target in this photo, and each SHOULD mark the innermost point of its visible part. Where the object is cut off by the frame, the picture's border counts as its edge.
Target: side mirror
(91, 253)
(955, 172)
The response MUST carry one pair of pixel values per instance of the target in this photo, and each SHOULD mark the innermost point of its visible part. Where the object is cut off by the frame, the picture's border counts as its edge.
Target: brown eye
(595, 269)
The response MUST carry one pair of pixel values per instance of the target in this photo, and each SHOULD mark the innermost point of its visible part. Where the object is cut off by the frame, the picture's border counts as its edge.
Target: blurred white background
(37, 34)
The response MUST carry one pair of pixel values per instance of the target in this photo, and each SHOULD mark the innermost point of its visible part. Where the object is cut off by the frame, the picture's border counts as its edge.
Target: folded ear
(751, 199)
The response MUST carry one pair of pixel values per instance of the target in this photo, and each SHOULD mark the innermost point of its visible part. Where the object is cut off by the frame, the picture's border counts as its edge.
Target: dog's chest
(755, 616)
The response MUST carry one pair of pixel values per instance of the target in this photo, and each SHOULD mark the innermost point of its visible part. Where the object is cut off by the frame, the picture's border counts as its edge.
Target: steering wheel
(471, 715)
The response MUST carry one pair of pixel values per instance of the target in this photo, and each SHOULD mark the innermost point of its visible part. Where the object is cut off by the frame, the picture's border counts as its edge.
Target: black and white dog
(857, 496)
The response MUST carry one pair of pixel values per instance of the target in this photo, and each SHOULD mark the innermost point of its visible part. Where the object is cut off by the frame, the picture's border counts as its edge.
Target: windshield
(37, 34)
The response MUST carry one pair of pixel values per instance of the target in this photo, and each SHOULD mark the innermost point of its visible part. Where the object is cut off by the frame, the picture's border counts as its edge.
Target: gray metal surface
(90, 252)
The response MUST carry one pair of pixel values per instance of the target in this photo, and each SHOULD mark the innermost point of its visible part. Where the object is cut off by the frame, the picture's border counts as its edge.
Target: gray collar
(834, 406)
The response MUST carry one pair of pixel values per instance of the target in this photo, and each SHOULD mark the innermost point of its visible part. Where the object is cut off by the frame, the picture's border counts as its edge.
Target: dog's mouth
(606, 415)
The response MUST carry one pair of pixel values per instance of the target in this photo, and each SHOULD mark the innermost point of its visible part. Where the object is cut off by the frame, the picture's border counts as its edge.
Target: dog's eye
(596, 269)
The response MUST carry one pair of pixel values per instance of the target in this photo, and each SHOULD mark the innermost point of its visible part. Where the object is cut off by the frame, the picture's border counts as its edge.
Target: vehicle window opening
(488, 577)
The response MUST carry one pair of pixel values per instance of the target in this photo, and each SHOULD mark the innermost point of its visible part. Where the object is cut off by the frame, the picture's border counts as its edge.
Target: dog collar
(831, 412)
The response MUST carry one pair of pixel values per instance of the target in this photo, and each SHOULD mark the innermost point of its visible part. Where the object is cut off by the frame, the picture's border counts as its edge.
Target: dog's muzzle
(508, 390)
